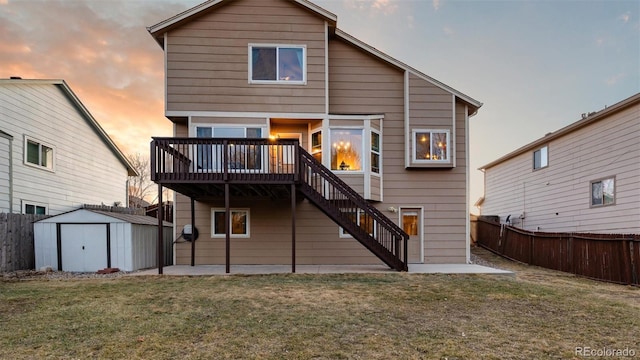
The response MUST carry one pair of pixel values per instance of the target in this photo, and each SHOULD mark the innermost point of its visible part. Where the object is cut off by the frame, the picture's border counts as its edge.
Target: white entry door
(411, 219)
(84, 247)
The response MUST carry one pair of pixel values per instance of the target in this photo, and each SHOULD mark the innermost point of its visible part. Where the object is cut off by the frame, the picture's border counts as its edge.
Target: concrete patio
(186, 270)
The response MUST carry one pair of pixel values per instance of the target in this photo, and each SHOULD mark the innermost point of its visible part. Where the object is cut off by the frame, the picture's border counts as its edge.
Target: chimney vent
(15, 78)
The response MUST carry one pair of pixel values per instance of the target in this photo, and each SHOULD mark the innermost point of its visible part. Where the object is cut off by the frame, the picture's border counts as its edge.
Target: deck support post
(293, 228)
(193, 232)
(227, 228)
(160, 231)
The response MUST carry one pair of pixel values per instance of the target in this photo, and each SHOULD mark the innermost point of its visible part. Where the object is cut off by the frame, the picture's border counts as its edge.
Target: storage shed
(86, 240)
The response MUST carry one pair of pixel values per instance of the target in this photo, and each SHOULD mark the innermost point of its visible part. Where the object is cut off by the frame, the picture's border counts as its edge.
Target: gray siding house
(54, 156)
(315, 104)
(584, 177)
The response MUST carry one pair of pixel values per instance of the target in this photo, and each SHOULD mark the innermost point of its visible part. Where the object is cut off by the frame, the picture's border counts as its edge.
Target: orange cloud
(104, 52)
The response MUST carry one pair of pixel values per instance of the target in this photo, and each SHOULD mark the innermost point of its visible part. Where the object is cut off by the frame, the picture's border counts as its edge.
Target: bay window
(346, 149)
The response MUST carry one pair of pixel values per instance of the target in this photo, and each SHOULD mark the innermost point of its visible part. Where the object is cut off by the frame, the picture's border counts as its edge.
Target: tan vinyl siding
(557, 198)
(207, 59)
(429, 105)
(270, 241)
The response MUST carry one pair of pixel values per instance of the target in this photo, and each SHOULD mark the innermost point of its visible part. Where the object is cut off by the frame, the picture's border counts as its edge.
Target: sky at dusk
(536, 65)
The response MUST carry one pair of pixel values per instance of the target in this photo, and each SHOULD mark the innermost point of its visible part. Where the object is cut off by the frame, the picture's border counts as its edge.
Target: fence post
(570, 251)
(626, 258)
(531, 240)
(634, 269)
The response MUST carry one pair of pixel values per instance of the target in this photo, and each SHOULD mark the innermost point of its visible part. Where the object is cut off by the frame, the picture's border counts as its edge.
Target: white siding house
(54, 156)
(582, 178)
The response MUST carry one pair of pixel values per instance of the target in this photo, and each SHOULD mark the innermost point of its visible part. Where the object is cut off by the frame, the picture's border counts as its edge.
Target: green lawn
(381, 316)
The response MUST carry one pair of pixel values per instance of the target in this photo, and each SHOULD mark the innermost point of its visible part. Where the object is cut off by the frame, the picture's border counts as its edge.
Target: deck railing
(212, 160)
(266, 161)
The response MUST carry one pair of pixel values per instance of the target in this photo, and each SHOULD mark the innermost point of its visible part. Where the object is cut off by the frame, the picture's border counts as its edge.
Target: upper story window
(273, 64)
(431, 146)
(38, 154)
(541, 158)
(346, 149)
(603, 192)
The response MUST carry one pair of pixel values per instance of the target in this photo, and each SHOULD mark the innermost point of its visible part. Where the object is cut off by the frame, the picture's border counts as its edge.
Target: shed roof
(128, 218)
(587, 120)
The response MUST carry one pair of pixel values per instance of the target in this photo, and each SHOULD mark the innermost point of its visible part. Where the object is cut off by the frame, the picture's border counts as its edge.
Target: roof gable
(84, 112)
(158, 30)
(585, 121)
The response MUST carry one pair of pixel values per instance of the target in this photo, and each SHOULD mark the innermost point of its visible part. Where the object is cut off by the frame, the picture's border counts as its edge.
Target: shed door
(84, 247)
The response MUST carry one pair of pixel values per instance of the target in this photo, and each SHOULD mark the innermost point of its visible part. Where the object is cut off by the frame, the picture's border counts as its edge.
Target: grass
(357, 316)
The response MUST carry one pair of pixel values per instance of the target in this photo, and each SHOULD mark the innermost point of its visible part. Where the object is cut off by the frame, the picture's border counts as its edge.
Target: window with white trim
(316, 145)
(375, 152)
(603, 192)
(431, 146)
(38, 154)
(541, 158)
(366, 222)
(346, 149)
(209, 157)
(238, 223)
(277, 64)
(34, 209)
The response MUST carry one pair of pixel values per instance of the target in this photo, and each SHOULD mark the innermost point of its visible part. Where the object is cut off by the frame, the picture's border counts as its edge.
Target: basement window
(238, 223)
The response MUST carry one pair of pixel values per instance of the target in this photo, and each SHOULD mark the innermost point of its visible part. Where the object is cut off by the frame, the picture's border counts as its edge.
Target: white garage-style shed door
(84, 247)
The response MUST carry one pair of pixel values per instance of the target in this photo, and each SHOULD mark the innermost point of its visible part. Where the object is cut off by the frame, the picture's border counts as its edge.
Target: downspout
(11, 174)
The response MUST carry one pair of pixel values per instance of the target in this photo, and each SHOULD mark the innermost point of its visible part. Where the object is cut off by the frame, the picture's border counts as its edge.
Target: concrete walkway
(186, 270)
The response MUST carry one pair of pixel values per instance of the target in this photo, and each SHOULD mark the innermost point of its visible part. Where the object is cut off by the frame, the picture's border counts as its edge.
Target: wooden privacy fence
(609, 257)
(16, 241)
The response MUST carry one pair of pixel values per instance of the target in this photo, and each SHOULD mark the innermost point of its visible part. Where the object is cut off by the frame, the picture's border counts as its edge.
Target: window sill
(34, 166)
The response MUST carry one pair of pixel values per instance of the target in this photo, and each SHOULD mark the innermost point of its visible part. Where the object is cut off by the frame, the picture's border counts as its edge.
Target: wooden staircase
(352, 212)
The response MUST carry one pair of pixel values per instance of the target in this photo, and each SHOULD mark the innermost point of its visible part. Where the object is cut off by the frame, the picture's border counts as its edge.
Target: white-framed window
(346, 149)
(603, 192)
(38, 154)
(431, 146)
(34, 208)
(210, 157)
(541, 158)
(375, 152)
(366, 222)
(273, 64)
(316, 145)
(238, 223)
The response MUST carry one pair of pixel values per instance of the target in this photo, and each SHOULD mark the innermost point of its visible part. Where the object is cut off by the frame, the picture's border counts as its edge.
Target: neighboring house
(383, 148)
(54, 156)
(584, 177)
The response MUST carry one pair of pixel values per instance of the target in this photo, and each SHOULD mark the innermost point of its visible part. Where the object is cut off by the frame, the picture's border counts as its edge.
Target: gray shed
(86, 240)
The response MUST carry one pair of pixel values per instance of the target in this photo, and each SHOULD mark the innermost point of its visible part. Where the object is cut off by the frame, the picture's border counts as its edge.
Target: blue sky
(536, 65)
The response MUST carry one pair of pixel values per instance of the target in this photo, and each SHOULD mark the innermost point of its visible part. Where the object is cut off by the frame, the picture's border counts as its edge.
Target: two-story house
(296, 142)
(54, 156)
(582, 178)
